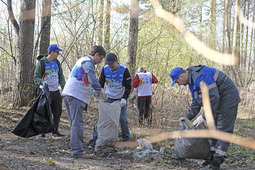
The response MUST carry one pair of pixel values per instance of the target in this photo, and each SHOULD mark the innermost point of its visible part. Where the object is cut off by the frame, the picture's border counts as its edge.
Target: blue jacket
(222, 90)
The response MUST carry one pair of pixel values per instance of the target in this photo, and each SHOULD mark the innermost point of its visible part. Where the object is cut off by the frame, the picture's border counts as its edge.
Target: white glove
(123, 102)
(199, 120)
(41, 86)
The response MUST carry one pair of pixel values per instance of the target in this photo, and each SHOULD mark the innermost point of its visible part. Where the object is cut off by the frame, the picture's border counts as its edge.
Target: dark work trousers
(225, 122)
(56, 107)
(143, 104)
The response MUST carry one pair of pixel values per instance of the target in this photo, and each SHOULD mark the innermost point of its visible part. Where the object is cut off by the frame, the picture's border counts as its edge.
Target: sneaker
(57, 134)
(41, 135)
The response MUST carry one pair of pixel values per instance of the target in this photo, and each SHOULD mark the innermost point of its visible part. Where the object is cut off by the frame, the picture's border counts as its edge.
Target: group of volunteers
(115, 78)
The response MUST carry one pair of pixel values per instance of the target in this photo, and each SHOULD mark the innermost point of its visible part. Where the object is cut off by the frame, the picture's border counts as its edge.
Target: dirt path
(54, 153)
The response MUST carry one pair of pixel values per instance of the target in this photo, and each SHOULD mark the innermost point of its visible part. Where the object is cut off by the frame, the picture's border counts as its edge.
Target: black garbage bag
(38, 119)
(194, 148)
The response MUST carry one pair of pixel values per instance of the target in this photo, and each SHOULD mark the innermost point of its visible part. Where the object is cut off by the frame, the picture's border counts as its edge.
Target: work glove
(199, 120)
(123, 102)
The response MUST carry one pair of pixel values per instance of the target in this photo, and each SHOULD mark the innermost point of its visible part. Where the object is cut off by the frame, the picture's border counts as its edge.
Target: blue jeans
(123, 120)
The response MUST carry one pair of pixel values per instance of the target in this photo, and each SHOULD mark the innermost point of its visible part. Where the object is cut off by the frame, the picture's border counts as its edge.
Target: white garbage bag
(108, 124)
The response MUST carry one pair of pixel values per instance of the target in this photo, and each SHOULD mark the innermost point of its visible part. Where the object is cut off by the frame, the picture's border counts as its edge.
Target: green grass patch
(238, 152)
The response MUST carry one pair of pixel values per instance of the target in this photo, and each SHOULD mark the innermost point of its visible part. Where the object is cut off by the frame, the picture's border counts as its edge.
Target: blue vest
(114, 82)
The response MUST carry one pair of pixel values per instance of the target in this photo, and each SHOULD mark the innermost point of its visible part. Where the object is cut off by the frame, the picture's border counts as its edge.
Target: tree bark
(24, 87)
(107, 27)
(100, 22)
(251, 41)
(45, 26)
(133, 36)
(212, 25)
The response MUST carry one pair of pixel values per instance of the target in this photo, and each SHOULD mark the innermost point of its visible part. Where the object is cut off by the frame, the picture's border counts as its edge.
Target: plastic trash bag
(108, 124)
(194, 148)
(38, 119)
(134, 94)
(147, 148)
(93, 137)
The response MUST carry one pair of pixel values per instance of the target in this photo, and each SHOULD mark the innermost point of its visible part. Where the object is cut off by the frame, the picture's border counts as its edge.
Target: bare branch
(11, 16)
(4, 2)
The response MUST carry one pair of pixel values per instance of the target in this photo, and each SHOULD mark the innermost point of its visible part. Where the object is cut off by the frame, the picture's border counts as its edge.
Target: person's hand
(199, 120)
(96, 100)
(182, 119)
(123, 102)
(99, 95)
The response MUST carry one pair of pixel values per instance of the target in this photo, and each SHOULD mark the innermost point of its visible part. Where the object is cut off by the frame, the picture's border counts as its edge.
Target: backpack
(37, 90)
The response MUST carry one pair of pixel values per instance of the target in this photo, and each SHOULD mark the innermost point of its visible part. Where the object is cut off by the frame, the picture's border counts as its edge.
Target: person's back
(143, 81)
(226, 88)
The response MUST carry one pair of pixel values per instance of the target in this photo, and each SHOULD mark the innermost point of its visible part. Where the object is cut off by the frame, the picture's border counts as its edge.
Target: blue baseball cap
(54, 47)
(175, 73)
(110, 58)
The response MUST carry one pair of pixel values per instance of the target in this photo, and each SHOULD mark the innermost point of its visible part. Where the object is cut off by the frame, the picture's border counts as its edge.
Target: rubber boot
(207, 162)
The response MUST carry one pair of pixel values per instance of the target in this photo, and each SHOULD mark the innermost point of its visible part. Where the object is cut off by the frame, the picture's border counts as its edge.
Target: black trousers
(56, 107)
(144, 104)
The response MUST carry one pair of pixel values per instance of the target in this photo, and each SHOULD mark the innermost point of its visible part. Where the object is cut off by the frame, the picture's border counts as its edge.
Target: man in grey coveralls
(224, 99)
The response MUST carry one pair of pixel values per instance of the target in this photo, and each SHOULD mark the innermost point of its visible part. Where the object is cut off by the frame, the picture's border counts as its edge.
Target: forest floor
(54, 152)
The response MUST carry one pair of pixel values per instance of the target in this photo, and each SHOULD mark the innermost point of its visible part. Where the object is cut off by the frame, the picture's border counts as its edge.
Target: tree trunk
(133, 36)
(246, 38)
(212, 25)
(224, 27)
(45, 26)
(236, 35)
(107, 27)
(23, 90)
(100, 23)
(251, 41)
(236, 47)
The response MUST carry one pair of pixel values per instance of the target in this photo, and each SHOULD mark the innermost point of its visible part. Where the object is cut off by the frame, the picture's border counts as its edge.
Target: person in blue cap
(52, 74)
(118, 86)
(224, 99)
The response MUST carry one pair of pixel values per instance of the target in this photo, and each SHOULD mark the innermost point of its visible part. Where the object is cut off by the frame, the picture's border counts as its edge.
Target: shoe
(210, 167)
(57, 134)
(78, 156)
(207, 162)
(82, 156)
(41, 135)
